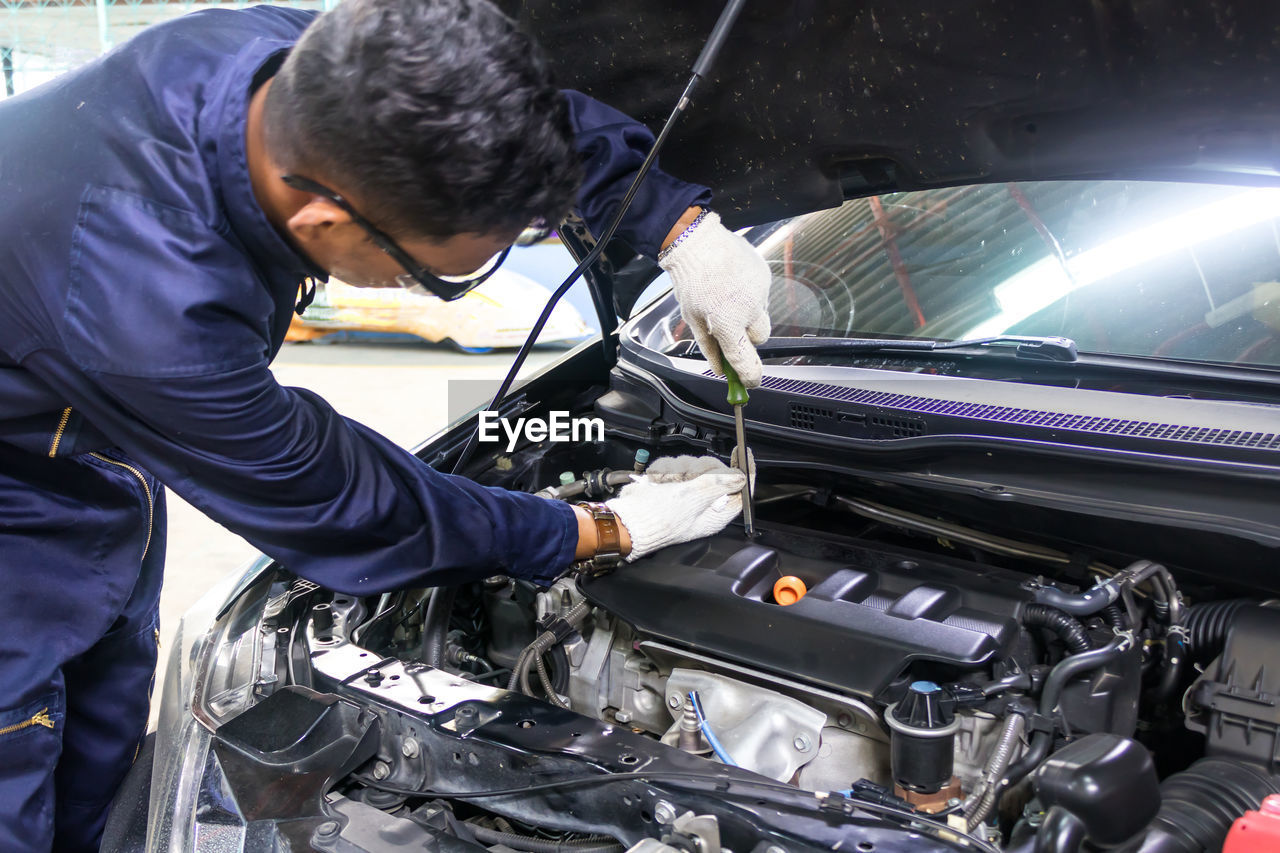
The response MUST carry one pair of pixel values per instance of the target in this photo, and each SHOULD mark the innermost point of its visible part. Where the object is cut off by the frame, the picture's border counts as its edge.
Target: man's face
(364, 264)
(346, 252)
(342, 247)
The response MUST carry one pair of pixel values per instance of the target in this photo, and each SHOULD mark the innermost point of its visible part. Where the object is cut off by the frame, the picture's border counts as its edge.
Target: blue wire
(712, 740)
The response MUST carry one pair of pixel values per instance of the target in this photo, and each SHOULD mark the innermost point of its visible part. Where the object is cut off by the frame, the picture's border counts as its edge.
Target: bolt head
(674, 700)
(953, 802)
(381, 770)
(664, 812)
(623, 717)
(409, 749)
(801, 743)
(329, 828)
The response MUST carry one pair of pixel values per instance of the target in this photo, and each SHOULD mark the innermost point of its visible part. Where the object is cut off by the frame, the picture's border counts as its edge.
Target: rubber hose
(1061, 832)
(1207, 625)
(552, 688)
(1020, 681)
(1115, 617)
(1068, 628)
(1177, 611)
(1059, 676)
(578, 487)
(1069, 668)
(530, 844)
(1079, 603)
(558, 659)
(1037, 752)
(435, 625)
(1199, 805)
(520, 672)
(1175, 661)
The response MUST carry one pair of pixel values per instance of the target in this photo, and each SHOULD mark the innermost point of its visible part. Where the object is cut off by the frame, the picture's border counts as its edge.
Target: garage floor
(398, 389)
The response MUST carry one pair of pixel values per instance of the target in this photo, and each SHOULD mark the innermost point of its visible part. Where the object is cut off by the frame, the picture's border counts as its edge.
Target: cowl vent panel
(809, 417)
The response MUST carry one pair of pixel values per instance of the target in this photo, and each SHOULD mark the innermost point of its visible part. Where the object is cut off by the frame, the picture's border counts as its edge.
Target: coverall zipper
(57, 434)
(151, 504)
(41, 718)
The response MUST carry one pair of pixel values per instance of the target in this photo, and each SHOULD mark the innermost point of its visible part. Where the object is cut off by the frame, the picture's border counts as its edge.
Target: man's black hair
(439, 117)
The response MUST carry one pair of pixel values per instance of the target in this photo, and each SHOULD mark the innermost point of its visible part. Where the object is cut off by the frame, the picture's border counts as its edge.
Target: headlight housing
(240, 659)
(201, 656)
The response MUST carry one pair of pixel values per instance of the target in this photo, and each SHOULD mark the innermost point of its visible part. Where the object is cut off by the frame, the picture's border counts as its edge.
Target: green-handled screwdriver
(737, 397)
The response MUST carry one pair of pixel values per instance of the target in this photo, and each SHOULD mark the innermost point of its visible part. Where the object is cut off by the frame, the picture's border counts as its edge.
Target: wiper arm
(1022, 346)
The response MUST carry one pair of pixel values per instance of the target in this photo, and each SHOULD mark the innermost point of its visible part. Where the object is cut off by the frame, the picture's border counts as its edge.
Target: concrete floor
(398, 389)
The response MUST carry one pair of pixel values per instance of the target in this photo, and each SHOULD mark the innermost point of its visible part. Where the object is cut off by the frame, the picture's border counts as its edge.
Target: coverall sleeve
(613, 146)
(328, 497)
(163, 347)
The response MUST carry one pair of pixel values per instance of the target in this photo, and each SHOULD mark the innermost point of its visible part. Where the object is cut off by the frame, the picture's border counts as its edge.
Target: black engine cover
(870, 611)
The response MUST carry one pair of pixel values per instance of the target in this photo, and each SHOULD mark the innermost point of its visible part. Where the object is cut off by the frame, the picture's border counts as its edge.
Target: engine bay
(859, 671)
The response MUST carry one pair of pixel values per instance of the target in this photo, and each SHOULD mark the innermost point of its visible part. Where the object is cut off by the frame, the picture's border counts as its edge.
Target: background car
(498, 313)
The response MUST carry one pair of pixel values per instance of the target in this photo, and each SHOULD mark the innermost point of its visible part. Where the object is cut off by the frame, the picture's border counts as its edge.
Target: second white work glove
(679, 498)
(722, 285)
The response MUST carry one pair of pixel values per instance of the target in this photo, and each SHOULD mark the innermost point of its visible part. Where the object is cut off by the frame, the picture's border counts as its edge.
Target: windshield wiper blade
(1022, 346)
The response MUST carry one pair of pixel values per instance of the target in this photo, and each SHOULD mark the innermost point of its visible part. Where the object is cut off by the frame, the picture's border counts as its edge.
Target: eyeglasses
(416, 278)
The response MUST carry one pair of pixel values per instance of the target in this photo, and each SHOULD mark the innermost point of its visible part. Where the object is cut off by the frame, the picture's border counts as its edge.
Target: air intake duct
(1207, 625)
(1199, 805)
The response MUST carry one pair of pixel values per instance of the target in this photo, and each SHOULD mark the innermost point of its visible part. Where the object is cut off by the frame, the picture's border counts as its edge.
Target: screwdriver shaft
(748, 511)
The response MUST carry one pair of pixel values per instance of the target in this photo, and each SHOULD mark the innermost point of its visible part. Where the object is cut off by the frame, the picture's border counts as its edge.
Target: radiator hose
(435, 625)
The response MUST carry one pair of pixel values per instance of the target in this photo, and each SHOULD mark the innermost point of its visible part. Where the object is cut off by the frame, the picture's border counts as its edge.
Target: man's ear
(318, 219)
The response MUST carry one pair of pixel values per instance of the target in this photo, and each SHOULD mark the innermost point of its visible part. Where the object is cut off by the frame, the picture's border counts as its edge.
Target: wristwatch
(608, 554)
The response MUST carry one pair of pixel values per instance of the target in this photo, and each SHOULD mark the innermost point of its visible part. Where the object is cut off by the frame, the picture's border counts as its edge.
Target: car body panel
(811, 103)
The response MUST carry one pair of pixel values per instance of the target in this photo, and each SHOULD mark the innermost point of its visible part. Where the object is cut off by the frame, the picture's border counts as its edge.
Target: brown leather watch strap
(608, 539)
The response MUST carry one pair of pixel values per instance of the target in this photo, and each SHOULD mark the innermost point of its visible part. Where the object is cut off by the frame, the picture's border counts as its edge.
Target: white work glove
(679, 498)
(722, 285)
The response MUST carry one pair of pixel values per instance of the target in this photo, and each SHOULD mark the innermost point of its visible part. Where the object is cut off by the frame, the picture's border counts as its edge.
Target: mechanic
(162, 206)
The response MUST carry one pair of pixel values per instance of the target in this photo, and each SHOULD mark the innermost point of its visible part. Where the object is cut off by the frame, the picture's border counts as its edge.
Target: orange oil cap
(789, 590)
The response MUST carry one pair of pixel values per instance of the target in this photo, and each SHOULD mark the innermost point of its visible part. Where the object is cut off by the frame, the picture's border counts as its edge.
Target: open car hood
(811, 103)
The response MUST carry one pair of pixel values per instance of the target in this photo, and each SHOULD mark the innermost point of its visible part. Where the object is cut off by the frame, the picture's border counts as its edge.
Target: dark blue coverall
(142, 295)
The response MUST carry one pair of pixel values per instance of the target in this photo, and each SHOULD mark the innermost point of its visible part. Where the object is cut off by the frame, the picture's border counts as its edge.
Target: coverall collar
(222, 132)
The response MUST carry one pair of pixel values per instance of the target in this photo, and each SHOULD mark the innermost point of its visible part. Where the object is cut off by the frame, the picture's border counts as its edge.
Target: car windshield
(1168, 270)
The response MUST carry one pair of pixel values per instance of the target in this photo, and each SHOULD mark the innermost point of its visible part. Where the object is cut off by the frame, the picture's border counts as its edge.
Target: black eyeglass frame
(446, 290)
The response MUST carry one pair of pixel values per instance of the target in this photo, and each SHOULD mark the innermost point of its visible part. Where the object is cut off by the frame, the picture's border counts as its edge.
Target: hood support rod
(701, 68)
